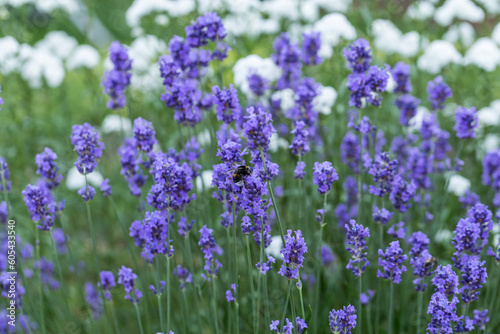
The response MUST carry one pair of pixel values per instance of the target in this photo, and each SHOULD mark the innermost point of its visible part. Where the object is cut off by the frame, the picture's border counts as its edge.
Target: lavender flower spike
(466, 122)
(343, 321)
(357, 237)
(88, 146)
(144, 134)
(323, 176)
(293, 255)
(392, 262)
(47, 168)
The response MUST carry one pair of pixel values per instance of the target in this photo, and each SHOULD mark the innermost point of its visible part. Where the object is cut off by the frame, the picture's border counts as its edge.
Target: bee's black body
(239, 174)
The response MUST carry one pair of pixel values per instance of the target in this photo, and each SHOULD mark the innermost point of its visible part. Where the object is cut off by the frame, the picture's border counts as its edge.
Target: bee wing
(230, 171)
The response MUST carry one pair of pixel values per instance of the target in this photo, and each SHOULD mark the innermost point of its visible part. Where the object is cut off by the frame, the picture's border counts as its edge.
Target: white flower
(162, 20)
(464, 31)
(420, 10)
(276, 142)
(325, 100)
(287, 97)
(250, 24)
(334, 27)
(495, 35)
(40, 63)
(489, 115)
(58, 43)
(490, 143)
(204, 138)
(464, 10)
(9, 62)
(492, 6)
(275, 247)
(140, 8)
(484, 54)
(458, 185)
(437, 55)
(281, 9)
(83, 56)
(333, 6)
(204, 180)
(113, 123)
(443, 236)
(388, 38)
(416, 121)
(266, 68)
(75, 180)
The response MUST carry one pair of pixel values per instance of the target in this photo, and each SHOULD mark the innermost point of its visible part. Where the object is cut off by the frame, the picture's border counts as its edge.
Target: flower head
(438, 92)
(47, 168)
(357, 236)
(343, 321)
(445, 280)
(105, 188)
(40, 206)
(87, 144)
(407, 104)
(209, 247)
(466, 122)
(443, 313)
(206, 28)
(299, 170)
(107, 282)
(382, 216)
(116, 80)
(127, 278)
(392, 262)
(144, 134)
(183, 275)
(299, 144)
(227, 104)
(384, 171)
(473, 276)
(323, 176)
(258, 129)
(358, 54)
(87, 193)
(310, 48)
(401, 74)
(293, 255)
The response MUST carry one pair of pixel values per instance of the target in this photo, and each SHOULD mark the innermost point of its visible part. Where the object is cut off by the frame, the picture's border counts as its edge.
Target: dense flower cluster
(40, 206)
(130, 162)
(293, 255)
(392, 262)
(144, 134)
(443, 313)
(209, 247)
(407, 104)
(357, 236)
(466, 122)
(343, 321)
(299, 144)
(258, 129)
(87, 192)
(47, 168)
(227, 104)
(438, 92)
(350, 151)
(87, 144)
(382, 216)
(384, 171)
(183, 275)
(445, 280)
(401, 75)
(107, 282)
(473, 276)
(323, 176)
(127, 278)
(117, 79)
(153, 235)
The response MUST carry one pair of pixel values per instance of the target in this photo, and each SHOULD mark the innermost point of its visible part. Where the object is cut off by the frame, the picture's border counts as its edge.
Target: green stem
(301, 299)
(37, 252)
(318, 268)
(115, 320)
(168, 293)
(286, 305)
(389, 325)
(292, 305)
(250, 277)
(138, 317)
(266, 301)
(360, 315)
(236, 270)
(493, 299)
(185, 310)
(191, 267)
(419, 311)
(58, 264)
(5, 192)
(214, 302)
(157, 260)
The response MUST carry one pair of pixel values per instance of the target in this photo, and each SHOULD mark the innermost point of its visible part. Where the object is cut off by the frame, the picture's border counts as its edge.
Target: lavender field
(279, 166)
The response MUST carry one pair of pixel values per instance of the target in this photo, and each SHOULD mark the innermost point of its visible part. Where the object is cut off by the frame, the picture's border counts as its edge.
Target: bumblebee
(430, 263)
(239, 174)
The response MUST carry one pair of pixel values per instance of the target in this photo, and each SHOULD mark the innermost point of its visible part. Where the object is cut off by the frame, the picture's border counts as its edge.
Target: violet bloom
(287, 57)
(301, 325)
(358, 54)
(144, 134)
(299, 171)
(127, 278)
(107, 282)
(47, 168)
(46, 268)
(229, 294)
(350, 151)
(481, 319)
(468, 199)
(495, 254)
(357, 236)
(327, 255)
(264, 266)
(117, 80)
(1, 99)
(418, 242)
(105, 188)
(466, 122)
(401, 193)
(398, 230)
(293, 255)
(466, 239)
(481, 215)
(92, 297)
(343, 321)
(310, 48)
(59, 240)
(419, 164)
(209, 247)
(299, 144)
(473, 276)
(40, 206)
(183, 96)
(401, 75)
(4, 175)
(4, 213)
(445, 280)
(156, 235)
(258, 129)
(257, 84)
(383, 170)
(227, 104)
(323, 176)
(491, 173)
(130, 161)
(87, 193)
(160, 290)
(423, 266)
(438, 92)
(443, 313)
(381, 216)
(392, 262)
(87, 144)
(184, 227)
(183, 275)
(407, 104)
(206, 28)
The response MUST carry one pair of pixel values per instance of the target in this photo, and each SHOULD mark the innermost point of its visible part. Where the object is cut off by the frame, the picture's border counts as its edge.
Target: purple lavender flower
(438, 92)
(47, 168)
(155, 232)
(4, 174)
(495, 254)
(473, 276)
(208, 27)
(418, 242)
(402, 193)
(183, 275)
(407, 104)
(382, 216)
(184, 227)
(116, 80)
(420, 165)
(208, 247)
(350, 151)
(264, 266)
(468, 199)
(343, 321)
(87, 193)
(40, 206)
(47, 271)
(299, 144)
(401, 74)
(423, 266)
(383, 170)
(92, 297)
(184, 96)
(491, 169)
(131, 166)
(299, 170)
(107, 282)
(357, 236)
(398, 230)
(105, 188)
(481, 319)
(293, 255)
(301, 325)
(88, 146)
(160, 290)
(287, 57)
(481, 215)
(257, 84)
(327, 255)
(170, 70)
(366, 298)
(1, 100)
(60, 240)
(258, 129)
(466, 122)
(127, 278)
(229, 294)
(4, 213)
(445, 280)
(310, 48)
(358, 54)
(443, 313)
(392, 262)
(144, 134)
(227, 104)
(467, 235)
(323, 176)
